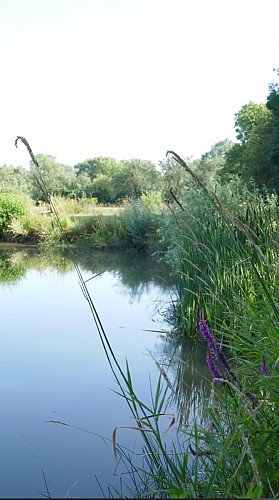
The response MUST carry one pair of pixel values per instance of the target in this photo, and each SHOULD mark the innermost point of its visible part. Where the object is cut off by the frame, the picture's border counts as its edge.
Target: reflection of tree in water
(16, 260)
(136, 272)
(183, 360)
(11, 270)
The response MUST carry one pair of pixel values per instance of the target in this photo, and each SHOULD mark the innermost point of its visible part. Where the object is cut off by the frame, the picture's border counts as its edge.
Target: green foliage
(250, 156)
(96, 177)
(16, 179)
(85, 223)
(273, 105)
(12, 206)
(211, 164)
(110, 180)
(249, 117)
(142, 220)
(59, 179)
(174, 176)
(11, 269)
(97, 231)
(103, 189)
(256, 155)
(137, 177)
(212, 254)
(98, 165)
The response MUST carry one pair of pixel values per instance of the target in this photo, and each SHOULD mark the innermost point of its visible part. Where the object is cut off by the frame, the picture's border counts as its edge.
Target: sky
(130, 78)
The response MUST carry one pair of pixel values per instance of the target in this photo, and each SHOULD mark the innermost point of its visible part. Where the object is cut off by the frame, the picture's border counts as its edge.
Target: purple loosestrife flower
(212, 367)
(215, 351)
(225, 365)
(264, 368)
(206, 333)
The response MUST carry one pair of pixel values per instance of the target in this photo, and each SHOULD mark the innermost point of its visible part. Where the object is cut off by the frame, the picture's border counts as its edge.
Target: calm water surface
(53, 367)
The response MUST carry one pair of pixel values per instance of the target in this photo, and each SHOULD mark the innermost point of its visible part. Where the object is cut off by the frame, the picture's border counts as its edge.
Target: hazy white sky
(130, 78)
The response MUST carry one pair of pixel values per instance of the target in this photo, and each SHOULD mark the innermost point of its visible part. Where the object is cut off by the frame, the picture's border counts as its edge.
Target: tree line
(254, 156)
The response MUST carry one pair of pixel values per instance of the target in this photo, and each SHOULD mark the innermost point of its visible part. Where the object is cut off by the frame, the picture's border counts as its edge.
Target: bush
(12, 206)
(142, 220)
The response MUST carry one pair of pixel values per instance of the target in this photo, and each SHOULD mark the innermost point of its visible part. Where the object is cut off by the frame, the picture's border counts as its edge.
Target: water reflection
(183, 360)
(136, 272)
(52, 366)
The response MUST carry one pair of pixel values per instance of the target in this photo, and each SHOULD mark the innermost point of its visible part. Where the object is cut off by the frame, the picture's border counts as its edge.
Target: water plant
(214, 240)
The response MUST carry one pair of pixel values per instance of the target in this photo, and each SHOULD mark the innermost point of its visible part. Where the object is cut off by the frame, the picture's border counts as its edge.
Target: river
(53, 366)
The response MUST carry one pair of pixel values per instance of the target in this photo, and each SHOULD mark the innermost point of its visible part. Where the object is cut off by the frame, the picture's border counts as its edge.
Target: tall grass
(230, 448)
(218, 252)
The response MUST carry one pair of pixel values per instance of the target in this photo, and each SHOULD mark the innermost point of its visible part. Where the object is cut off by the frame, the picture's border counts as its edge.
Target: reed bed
(226, 262)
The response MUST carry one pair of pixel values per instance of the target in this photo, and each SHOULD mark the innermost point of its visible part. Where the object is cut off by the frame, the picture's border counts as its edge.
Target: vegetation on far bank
(104, 202)
(131, 224)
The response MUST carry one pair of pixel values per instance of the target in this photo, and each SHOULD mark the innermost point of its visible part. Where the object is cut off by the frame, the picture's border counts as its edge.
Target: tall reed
(218, 251)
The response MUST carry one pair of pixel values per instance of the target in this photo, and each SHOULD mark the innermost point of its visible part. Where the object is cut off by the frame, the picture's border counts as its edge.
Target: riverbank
(131, 225)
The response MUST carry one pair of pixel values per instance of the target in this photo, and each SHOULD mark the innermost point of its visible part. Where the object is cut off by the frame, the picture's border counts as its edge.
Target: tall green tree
(98, 165)
(16, 179)
(100, 173)
(174, 176)
(211, 164)
(273, 148)
(137, 177)
(60, 179)
(249, 157)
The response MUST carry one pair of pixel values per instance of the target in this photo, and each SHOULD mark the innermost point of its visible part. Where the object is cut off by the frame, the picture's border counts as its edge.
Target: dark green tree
(83, 186)
(59, 179)
(97, 175)
(273, 147)
(174, 177)
(211, 164)
(16, 179)
(89, 167)
(249, 157)
(136, 177)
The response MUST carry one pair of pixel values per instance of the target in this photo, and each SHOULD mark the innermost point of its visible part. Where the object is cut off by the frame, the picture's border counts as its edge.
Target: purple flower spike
(225, 365)
(264, 368)
(206, 333)
(215, 353)
(213, 368)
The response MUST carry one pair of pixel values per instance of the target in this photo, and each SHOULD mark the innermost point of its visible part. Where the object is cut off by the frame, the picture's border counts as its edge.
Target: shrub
(12, 206)
(142, 220)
